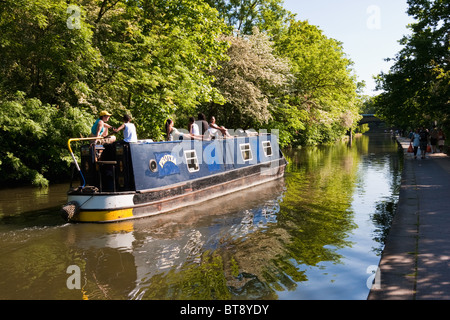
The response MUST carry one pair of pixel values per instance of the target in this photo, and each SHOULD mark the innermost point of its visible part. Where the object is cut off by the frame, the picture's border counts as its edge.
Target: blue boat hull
(145, 179)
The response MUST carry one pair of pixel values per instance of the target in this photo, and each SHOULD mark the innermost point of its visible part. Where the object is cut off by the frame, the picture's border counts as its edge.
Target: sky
(369, 30)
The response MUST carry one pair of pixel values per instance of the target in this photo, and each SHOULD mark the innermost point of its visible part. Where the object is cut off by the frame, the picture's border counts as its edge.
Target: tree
(33, 139)
(324, 93)
(50, 62)
(156, 54)
(250, 81)
(161, 58)
(320, 103)
(147, 57)
(42, 78)
(243, 15)
(416, 89)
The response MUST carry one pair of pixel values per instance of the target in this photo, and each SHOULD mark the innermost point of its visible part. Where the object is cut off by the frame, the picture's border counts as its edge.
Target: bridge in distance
(369, 118)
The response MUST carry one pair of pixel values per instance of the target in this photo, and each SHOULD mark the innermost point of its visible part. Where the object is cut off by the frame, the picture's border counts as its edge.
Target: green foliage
(204, 281)
(244, 15)
(324, 93)
(33, 139)
(50, 62)
(416, 89)
(363, 128)
(155, 57)
(148, 58)
(300, 83)
(250, 82)
(162, 58)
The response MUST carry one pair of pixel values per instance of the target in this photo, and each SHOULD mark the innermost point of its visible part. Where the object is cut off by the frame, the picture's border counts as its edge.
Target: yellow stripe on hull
(104, 216)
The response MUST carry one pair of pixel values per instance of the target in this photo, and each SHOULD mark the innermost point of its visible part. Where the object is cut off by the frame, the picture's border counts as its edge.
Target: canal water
(315, 234)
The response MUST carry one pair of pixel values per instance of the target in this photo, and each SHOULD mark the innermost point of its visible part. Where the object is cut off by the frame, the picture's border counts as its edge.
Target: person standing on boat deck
(129, 130)
(100, 128)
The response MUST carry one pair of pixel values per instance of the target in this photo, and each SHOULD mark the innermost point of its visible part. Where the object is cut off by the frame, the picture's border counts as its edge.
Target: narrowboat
(123, 181)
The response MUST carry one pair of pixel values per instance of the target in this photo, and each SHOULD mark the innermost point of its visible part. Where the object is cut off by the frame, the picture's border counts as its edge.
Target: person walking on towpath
(434, 137)
(415, 139)
(424, 135)
(441, 140)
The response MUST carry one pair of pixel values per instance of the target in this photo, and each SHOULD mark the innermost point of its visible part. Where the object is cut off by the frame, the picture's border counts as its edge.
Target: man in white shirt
(193, 127)
(129, 133)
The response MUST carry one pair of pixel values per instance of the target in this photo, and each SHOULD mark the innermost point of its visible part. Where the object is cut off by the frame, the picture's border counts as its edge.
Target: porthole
(153, 165)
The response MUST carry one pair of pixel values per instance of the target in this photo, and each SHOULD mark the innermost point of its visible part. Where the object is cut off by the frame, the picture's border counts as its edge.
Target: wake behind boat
(123, 181)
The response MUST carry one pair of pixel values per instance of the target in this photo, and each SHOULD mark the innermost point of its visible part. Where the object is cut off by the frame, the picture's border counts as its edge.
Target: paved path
(415, 264)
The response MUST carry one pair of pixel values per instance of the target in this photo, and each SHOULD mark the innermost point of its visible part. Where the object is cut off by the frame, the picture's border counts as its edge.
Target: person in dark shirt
(424, 134)
(204, 124)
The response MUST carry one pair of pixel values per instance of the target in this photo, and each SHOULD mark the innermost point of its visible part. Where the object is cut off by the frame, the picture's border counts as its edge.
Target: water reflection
(185, 255)
(311, 235)
(29, 206)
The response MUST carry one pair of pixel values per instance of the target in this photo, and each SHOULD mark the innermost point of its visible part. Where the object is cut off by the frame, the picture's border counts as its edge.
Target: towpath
(415, 264)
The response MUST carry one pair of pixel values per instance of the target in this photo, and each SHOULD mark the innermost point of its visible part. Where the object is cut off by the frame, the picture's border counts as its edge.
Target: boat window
(246, 152)
(267, 147)
(191, 161)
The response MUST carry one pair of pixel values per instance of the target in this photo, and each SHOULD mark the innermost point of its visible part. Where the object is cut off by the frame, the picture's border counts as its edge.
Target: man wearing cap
(100, 128)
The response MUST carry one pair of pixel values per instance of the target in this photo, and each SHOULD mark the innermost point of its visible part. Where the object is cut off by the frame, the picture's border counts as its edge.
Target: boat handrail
(73, 156)
(79, 139)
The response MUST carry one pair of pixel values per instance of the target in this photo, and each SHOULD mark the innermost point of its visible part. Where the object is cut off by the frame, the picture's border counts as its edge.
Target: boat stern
(98, 208)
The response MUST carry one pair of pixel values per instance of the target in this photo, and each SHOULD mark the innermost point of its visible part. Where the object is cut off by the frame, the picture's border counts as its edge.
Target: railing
(73, 156)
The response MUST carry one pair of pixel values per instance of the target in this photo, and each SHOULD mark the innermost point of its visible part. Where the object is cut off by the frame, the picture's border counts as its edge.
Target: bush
(33, 139)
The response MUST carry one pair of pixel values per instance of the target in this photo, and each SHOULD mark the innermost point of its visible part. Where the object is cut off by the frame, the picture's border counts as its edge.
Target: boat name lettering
(167, 158)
